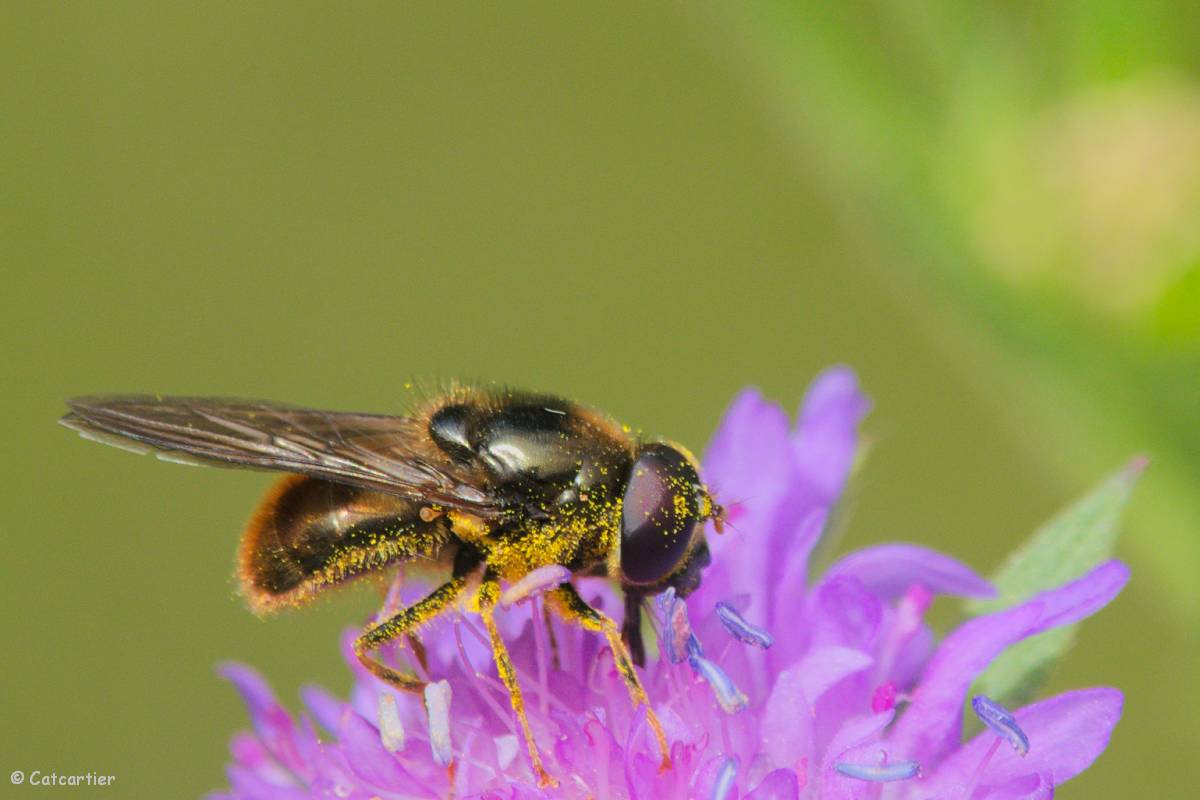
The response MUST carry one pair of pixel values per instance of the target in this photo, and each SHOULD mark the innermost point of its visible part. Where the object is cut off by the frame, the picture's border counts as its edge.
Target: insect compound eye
(659, 513)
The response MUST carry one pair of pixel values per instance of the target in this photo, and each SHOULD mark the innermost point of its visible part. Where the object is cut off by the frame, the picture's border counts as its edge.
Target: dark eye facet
(660, 511)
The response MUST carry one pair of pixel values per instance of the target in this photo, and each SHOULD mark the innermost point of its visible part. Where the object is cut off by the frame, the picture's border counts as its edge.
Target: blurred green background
(990, 210)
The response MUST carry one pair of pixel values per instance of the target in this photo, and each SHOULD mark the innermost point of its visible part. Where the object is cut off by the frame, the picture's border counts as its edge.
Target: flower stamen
(729, 697)
(391, 729)
(677, 637)
(879, 773)
(742, 630)
(437, 706)
(1001, 721)
(534, 583)
(724, 780)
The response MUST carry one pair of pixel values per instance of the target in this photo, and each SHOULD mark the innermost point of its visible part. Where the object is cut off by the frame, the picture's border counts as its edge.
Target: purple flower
(769, 686)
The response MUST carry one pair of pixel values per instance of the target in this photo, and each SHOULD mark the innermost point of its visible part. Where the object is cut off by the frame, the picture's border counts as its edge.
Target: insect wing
(386, 453)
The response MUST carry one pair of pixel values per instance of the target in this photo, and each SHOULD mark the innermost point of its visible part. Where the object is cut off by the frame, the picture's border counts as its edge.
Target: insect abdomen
(308, 534)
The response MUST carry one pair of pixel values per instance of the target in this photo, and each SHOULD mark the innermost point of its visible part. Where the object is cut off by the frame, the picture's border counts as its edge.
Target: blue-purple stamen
(678, 640)
(664, 598)
(729, 697)
(1001, 721)
(879, 773)
(742, 630)
(724, 780)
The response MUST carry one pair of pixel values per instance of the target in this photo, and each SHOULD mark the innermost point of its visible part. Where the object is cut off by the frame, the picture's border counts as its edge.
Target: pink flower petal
(888, 571)
(369, 759)
(1066, 734)
(782, 784)
(930, 726)
(843, 612)
(248, 751)
(1026, 787)
(324, 706)
(786, 601)
(824, 667)
(911, 660)
(591, 750)
(823, 448)
(750, 467)
(272, 723)
(255, 691)
(826, 436)
(787, 725)
(249, 785)
(773, 487)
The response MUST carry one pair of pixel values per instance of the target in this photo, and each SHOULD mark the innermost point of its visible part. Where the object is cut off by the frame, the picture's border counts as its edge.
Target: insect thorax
(579, 536)
(559, 471)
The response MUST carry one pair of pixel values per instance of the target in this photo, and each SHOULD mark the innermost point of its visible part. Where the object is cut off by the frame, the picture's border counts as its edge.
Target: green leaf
(1070, 544)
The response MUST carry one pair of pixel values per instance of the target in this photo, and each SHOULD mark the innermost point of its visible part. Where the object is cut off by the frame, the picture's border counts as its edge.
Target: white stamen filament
(534, 583)
(437, 706)
(391, 729)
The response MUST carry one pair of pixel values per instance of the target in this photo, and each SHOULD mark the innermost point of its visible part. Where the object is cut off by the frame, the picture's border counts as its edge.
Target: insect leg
(572, 608)
(631, 628)
(489, 593)
(418, 649)
(400, 624)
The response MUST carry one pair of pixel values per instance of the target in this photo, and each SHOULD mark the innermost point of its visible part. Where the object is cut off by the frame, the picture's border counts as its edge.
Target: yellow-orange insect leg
(489, 593)
(400, 624)
(571, 607)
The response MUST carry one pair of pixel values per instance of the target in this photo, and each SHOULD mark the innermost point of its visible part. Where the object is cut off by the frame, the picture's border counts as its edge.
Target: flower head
(768, 685)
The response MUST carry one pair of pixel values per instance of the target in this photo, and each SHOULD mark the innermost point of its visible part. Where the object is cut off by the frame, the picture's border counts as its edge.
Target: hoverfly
(488, 484)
